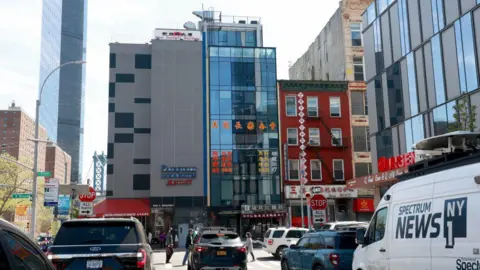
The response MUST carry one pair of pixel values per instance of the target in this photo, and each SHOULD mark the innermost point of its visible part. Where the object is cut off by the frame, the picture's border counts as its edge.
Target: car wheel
(318, 267)
(285, 265)
(279, 252)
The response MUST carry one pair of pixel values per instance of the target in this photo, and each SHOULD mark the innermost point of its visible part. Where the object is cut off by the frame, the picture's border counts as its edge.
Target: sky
(290, 26)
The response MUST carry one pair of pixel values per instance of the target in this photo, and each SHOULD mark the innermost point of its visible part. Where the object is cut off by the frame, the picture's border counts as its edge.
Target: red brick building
(315, 122)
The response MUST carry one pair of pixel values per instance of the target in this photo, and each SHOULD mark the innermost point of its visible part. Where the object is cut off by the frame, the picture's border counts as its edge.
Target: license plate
(93, 264)
(221, 253)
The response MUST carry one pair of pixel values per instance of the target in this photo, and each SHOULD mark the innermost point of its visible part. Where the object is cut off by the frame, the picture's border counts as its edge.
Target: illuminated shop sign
(178, 172)
(398, 162)
(179, 182)
(242, 125)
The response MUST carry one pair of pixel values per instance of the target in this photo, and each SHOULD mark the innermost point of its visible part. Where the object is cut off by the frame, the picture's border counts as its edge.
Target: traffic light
(28, 225)
(55, 212)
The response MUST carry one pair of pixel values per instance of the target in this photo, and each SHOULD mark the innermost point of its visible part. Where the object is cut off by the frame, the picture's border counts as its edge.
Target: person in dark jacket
(188, 245)
(169, 245)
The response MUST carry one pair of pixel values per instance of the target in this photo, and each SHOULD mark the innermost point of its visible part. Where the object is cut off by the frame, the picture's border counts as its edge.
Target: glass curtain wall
(244, 143)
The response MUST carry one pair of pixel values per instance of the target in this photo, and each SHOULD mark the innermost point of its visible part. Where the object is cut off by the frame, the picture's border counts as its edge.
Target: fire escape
(339, 144)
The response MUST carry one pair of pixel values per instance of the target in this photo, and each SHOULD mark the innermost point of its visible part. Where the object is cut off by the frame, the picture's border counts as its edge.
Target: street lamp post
(35, 156)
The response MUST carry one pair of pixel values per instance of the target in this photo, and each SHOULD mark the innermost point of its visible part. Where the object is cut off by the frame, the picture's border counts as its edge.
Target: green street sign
(44, 174)
(21, 196)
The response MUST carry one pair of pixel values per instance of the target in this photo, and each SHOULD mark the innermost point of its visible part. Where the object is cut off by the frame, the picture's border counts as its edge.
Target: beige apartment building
(59, 163)
(17, 129)
(337, 57)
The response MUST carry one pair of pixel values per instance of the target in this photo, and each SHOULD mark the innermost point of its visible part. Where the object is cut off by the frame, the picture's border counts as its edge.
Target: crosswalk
(264, 260)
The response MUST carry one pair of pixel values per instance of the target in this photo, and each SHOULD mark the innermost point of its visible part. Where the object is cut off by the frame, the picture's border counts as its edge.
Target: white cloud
(289, 26)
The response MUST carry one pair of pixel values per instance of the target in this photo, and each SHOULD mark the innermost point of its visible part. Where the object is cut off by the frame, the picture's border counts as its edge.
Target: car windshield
(221, 238)
(96, 233)
(341, 242)
(325, 227)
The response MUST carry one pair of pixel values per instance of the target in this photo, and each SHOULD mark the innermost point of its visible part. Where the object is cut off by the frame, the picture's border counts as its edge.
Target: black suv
(220, 249)
(114, 243)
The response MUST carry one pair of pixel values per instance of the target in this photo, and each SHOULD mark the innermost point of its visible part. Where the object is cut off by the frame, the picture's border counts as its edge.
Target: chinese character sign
(226, 161)
(274, 162)
(263, 161)
(215, 162)
(178, 172)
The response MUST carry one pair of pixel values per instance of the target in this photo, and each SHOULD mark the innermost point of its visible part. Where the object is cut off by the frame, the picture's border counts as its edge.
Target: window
(376, 229)
(404, 28)
(123, 138)
(125, 78)
(291, 105)
(24, 254)
(438, 70)
(358, 103)
(314, 136)
(111, 90)
(316, 243)
(358, 69)
(360, 135)
(227, 238)
(414, 131)
(440, 123)
(467, 67)
(378, 48)
(143, 61)
(142, 130)
(295, 234)
(143, 100)
(412, 84)
(362, 169)
(312, 106)
(335, 108)
(278, 234)
(113, 60)
(438, 16)
(337, 137)
(303, 242)
(371, 13)
(316, 169)
(111, 107)
(338, 168)
(293, 169)
(100, 232)
(124, 120)
(356, 34)
(292, 136)
(3, 259)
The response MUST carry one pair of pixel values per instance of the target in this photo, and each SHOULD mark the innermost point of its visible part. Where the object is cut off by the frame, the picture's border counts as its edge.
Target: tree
(465, 116)
(13, 179)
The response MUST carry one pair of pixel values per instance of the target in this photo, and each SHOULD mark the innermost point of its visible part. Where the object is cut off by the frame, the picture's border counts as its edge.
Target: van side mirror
(293, 246)
(360, 237)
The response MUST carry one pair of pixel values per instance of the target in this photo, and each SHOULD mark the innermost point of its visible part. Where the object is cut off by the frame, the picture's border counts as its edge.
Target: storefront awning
(376, 180)
(122, 208)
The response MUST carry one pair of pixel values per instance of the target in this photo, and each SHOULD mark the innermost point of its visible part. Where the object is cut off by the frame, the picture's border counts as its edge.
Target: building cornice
(313, 86)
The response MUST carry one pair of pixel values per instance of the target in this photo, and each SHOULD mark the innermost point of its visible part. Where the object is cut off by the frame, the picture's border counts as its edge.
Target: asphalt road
(264, 261)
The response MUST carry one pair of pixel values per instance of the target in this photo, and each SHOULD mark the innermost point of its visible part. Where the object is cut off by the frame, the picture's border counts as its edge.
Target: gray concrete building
(421, 59)
(155, 128)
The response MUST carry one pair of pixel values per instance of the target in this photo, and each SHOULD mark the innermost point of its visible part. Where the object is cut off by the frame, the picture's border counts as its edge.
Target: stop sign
(318, 202)
(90, 197)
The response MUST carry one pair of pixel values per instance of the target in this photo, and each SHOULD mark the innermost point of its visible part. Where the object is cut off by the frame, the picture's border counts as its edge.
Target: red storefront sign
(378, 179)
(179, 182)
(398, 162)
(364, 205)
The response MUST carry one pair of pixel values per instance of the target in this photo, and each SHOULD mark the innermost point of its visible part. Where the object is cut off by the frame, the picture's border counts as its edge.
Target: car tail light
(334, 259)
(270, 241)
(49, 255)
(200, 249)
(142, 258)
(242, 249)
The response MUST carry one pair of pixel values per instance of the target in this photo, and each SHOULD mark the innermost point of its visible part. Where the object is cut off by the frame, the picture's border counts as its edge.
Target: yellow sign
(262, 126)
(215, 124)
(238, 125)
(273, 125)
(263, 161)
(21, 210)
(226, 124)
(250, 125)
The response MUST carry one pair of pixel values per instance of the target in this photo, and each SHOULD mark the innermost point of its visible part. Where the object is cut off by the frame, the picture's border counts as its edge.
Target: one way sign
(86, 208)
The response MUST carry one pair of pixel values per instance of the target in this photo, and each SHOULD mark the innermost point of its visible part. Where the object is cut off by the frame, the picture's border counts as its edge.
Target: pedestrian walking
(150, 238)
(162, 240)
(188, 245)
(249, 245)
(169, 245)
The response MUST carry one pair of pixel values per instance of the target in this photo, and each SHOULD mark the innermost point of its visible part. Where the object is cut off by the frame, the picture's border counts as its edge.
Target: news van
(430, 219)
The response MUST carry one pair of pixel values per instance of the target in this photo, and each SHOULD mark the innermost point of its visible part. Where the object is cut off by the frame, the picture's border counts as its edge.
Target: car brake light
(142, 258)
(200, 249)
(270, 241)
(242, 249)
(334, 259)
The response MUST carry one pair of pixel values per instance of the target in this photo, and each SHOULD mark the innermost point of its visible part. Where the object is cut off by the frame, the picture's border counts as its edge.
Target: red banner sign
(364, 205)
(178, 182)
(398, 162)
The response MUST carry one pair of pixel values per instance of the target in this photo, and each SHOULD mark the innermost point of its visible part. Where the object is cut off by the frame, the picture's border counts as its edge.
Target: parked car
(342, 225)
(18, 251)
(113, 243)
(324, 250)
(277, 239)
(220, 249)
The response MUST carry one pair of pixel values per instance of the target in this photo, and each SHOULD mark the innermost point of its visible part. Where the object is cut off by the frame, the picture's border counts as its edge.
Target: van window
(295, 234)
(376, 230)
(278, 234)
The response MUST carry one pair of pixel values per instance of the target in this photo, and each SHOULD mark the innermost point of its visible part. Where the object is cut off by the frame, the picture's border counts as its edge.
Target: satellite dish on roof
(190, 26)
(458, 141)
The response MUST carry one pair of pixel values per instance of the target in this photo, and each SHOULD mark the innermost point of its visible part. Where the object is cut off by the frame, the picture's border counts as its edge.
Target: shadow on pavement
(266, 258)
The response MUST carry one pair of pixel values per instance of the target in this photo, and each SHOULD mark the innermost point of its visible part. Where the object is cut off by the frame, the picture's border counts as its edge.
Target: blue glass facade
(49, 60)
(243, 118)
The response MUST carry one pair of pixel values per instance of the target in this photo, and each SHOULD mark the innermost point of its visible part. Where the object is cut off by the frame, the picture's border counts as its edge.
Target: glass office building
(421, 60)
(243, 143)
(63, 40)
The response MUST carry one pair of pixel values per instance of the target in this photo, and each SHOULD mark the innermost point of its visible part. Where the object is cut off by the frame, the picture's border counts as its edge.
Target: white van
(429, 220)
